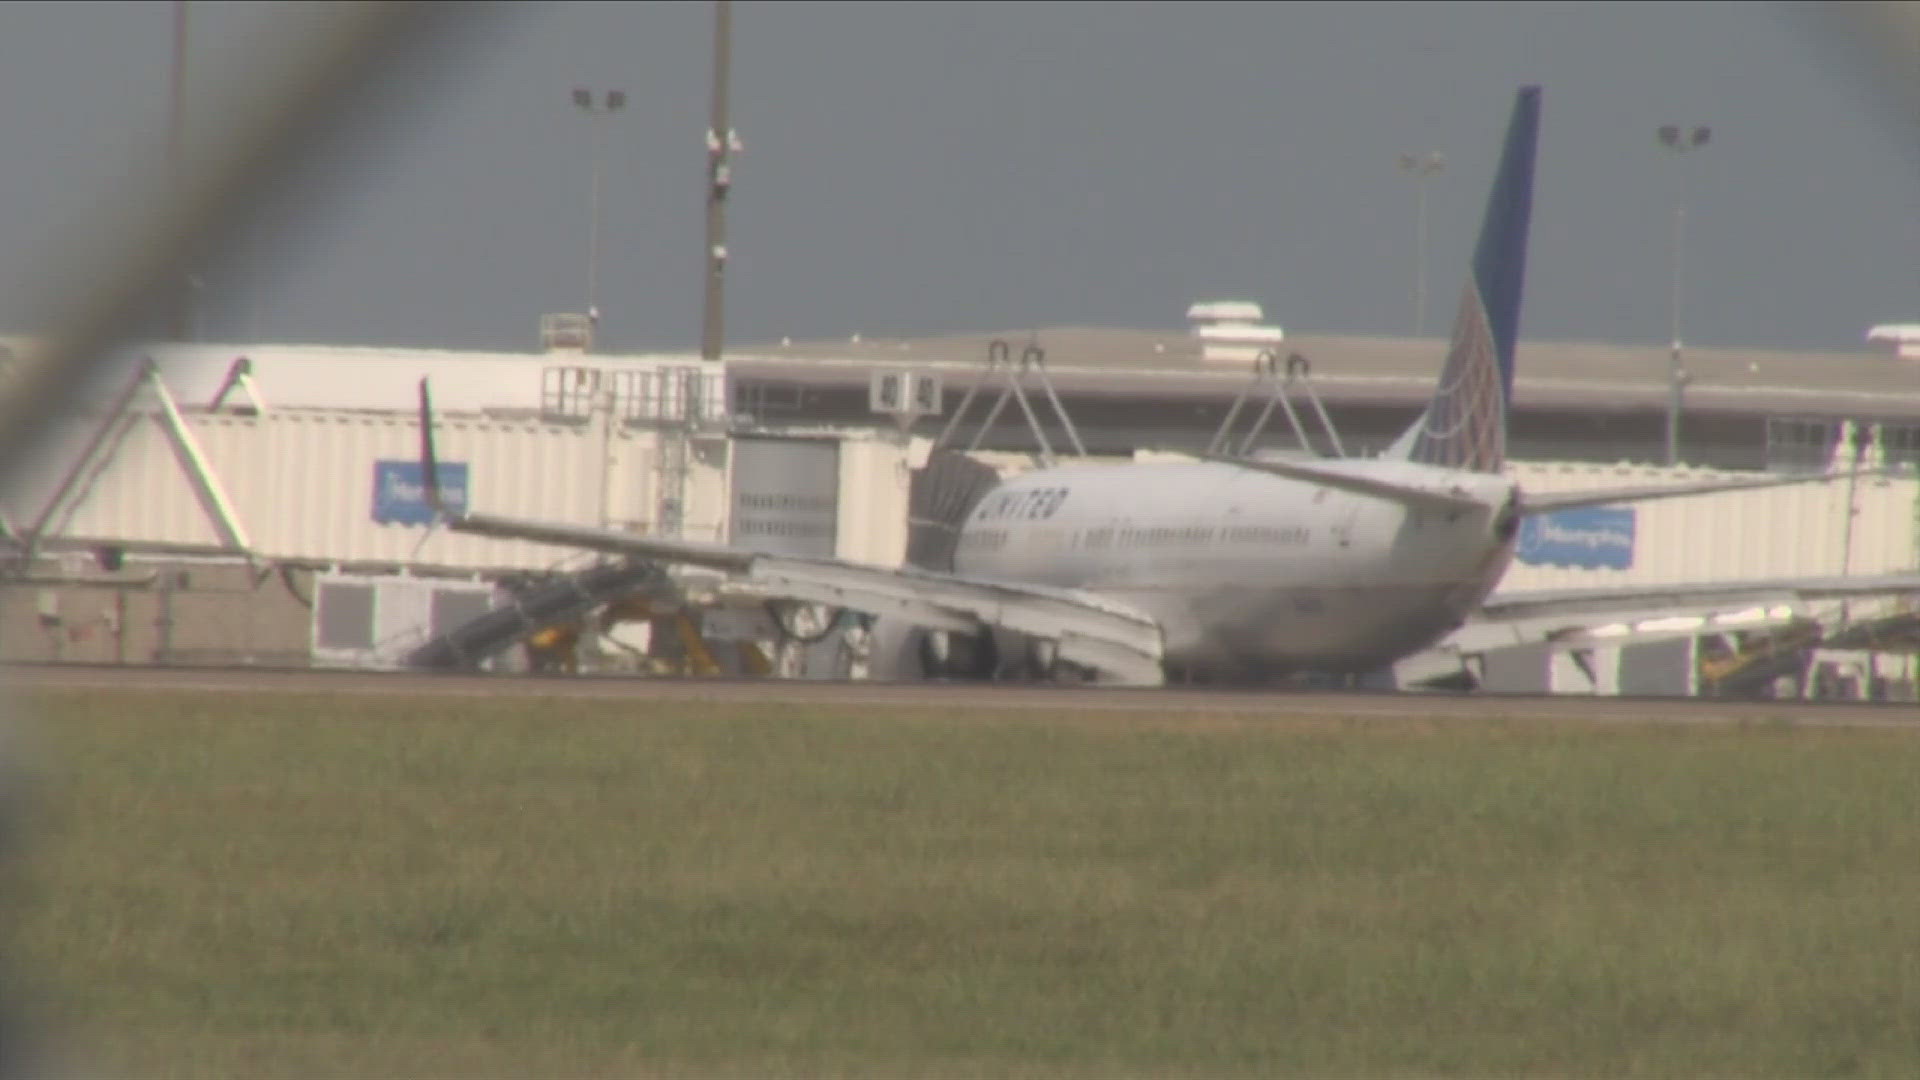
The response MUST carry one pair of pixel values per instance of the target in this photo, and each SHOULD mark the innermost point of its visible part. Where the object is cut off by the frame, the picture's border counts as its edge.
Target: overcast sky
(923, 168)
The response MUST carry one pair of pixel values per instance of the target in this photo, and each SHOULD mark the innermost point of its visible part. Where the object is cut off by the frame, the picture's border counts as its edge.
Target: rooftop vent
(1231, 331)
(1900, 339)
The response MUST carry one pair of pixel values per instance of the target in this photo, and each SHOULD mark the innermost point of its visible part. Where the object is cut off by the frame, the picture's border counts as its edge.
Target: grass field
(351, 885)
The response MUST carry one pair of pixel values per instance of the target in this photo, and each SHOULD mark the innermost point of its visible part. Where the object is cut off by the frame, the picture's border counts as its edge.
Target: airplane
(1237, 569)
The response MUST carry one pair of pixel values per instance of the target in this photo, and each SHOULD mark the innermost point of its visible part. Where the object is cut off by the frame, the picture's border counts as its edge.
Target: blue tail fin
(1465, 426)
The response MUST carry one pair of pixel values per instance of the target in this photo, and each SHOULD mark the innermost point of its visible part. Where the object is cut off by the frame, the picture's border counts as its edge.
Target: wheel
(947, 655)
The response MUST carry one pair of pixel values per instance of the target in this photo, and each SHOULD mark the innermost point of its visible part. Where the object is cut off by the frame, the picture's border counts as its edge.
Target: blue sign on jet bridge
(400, 491)
(1589, 538)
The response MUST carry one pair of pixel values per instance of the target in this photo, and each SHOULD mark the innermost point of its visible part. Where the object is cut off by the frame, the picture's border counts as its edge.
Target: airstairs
(562, 599)
(1756, 659)
(1798, 652)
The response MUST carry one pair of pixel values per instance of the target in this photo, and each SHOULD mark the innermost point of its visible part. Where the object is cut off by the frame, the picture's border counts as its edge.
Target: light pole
(722, 143)
(610, 103)
(1422, 167)
(1680, 141)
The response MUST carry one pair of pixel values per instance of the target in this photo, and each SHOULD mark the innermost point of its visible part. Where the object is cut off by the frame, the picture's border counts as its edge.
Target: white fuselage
(1246, 571)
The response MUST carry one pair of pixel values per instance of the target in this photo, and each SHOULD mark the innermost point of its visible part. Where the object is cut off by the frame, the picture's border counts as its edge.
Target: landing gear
(997, 656)
(803, 623)
(1042, 660)
(1041, 663)
(948, 655)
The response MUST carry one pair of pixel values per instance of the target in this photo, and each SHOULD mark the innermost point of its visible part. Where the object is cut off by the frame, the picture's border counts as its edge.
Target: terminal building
(262, 503)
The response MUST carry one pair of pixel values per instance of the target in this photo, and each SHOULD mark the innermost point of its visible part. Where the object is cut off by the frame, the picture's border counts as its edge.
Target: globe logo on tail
(1466, 425)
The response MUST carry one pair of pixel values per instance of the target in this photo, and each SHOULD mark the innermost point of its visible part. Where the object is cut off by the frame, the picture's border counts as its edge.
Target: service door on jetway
(786, 495)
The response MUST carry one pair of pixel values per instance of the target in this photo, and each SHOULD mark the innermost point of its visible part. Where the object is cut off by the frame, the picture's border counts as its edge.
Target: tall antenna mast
(722, 142)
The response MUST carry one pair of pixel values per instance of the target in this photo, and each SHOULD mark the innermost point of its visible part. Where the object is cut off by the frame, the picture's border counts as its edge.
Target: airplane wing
(1546, 502)
(1617, 616)
(1120, 643)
